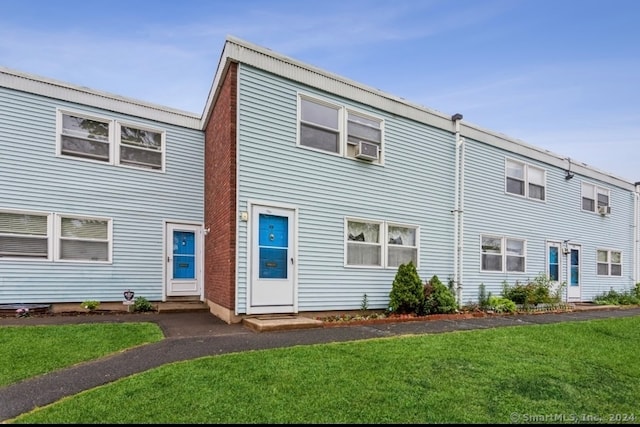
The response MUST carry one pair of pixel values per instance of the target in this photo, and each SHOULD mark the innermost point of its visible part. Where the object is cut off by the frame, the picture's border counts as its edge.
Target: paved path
(193, 335)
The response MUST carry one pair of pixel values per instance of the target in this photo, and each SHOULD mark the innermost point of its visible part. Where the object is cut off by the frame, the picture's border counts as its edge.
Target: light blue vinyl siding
(488, 209)
(137, 201)
(415, 186)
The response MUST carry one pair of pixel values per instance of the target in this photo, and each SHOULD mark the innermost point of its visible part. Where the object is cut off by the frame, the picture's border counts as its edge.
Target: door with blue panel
(554, 264)
(573, 273)
(272, 282)
(183, 263)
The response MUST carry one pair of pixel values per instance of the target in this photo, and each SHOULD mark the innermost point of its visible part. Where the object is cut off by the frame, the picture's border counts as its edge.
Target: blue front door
(183, 260)
(272, 288)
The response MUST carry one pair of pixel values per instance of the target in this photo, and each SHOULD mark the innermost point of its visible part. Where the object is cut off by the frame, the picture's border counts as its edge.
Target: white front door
(272, 287)
(574, 267)
(183, 260)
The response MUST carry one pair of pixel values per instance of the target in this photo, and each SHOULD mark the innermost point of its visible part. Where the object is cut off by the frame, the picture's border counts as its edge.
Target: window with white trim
(609, 263)
(380, 244)
(142, 148)
(402, 245)
(85, 137)
(110, 141)
(320, 125)
(83, 239)
(24, 235)
(55, 237)
(502, 254)
(525, 180)
(364, 243)
(594, 197)
(340, 130)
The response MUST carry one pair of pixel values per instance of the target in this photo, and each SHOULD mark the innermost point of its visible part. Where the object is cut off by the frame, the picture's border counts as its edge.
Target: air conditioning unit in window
(604, 210)
(366, 151)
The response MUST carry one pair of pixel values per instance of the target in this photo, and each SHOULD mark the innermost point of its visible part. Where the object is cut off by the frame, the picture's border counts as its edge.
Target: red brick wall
(220, 196)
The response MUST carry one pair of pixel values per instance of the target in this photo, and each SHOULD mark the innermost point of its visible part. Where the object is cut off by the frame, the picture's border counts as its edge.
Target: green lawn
(28, 351)
(566, 372)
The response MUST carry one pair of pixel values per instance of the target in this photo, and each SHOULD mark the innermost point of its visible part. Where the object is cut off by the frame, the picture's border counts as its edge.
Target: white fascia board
(542, 155)
(240, 51)
(50, 88)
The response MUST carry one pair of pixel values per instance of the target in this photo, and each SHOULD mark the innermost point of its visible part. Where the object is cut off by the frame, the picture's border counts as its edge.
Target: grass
(29, 351)
(565, 372)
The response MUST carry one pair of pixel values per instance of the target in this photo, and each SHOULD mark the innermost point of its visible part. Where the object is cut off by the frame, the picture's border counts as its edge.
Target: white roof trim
(63, 91)
(237, 50)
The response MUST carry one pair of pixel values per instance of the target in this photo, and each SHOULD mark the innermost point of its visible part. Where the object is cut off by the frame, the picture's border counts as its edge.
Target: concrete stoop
(182, 307)
(280, 322)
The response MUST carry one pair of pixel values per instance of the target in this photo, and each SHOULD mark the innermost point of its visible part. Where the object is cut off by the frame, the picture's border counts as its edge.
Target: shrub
(438, 298)
(538, 291)
(364, 305)
(483, 297)
(142, 304)
(406, 294)
(90, 304)
(501, 304)
(613, 297)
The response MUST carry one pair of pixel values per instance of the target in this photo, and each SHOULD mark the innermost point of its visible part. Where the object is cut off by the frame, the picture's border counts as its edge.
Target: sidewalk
(198, 334)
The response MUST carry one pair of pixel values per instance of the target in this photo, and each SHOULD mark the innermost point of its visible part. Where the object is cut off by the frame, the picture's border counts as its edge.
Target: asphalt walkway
(194, 335)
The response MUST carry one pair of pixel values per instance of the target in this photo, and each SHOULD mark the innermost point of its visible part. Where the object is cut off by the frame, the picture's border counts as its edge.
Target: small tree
(483, 297)
(406, 292)
(438, 298)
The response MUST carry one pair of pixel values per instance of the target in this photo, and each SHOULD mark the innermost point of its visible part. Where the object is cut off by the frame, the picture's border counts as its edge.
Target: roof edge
(31, 83)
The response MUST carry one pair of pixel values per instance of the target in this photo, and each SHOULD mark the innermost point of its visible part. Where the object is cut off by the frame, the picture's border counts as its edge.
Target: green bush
(142, 304)
(406, 294)
(501, 304)
(538, 291)
(438, 298)
(90, 304)
(613, 297)
(483, 297)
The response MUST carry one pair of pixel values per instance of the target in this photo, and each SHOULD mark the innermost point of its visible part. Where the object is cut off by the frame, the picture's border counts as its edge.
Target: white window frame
(49, 237)
(383, 244)
(119, 145)
(390, 245)
(504, 253)
(345, 148)
(591, 192)
(59, 238)
(113, 140)
(527, 179)
(608, 263)
(60, 129)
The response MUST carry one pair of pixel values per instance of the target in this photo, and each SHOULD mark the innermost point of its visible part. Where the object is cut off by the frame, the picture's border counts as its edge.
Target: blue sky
(563, 75)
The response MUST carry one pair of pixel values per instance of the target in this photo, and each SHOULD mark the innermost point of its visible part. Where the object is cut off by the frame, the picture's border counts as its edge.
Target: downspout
(456, 203)
(461, 220)
(636, 234)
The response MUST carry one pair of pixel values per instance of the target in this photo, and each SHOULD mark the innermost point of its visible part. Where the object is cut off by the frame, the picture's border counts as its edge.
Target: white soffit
(81, 95)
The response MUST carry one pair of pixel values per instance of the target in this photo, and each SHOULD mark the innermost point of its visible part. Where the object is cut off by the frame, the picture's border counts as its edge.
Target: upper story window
(339, 130)
(85, 137)
(609, 263)
(110, 141)
(371, 243)
(319, 125)
(140, 147)
(24, 235)
(525, 180)
(595, 199)
(502, 254)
